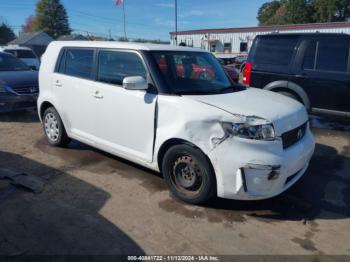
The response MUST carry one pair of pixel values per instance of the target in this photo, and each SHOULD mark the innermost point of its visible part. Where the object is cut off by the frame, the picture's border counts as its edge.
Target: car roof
(2, 53)
(123, 45)
(15, 47)
(304, 35)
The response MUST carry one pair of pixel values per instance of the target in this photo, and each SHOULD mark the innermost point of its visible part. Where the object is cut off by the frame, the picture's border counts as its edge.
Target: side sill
(330, 112)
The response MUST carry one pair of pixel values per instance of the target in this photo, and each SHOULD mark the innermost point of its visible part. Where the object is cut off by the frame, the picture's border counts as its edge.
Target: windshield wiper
(229, 88)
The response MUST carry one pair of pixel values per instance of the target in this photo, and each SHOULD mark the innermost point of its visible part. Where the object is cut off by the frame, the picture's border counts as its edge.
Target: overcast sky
(150, 19)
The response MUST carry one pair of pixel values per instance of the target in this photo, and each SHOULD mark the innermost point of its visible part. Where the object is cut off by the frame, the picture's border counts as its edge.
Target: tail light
(247, 73)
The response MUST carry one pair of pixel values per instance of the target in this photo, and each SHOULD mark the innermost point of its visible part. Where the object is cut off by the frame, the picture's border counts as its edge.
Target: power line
(78, 12)
(106, 20)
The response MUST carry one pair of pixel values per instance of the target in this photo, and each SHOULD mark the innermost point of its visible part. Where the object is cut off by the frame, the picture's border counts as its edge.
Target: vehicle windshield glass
(21, 53)
(192, 73)
(11, 63)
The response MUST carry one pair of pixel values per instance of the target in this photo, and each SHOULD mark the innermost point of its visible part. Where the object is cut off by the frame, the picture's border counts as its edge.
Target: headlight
(251, 128)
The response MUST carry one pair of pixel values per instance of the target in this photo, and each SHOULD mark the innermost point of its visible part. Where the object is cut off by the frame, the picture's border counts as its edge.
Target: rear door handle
(58, 83)
(97, 95)
(301, 75)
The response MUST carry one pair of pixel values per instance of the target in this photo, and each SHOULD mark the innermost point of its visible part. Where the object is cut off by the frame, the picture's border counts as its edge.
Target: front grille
(293, 136)
(26, 90)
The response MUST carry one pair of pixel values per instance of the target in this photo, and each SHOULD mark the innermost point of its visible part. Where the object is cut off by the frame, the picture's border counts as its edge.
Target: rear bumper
(259, 170)
(17, 102)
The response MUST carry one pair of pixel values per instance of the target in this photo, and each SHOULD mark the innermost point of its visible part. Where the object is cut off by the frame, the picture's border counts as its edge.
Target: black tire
(188, 174)
(52, 119)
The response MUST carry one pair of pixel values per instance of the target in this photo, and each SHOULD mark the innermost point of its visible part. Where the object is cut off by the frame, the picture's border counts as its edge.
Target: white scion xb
(174, 110)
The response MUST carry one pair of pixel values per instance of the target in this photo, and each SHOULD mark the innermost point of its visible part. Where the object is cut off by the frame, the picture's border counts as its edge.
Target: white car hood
(285, 113)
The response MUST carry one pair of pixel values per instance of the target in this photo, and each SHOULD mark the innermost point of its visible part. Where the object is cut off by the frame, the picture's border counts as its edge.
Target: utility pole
(209, 42)
(175, 22)
(126, 39)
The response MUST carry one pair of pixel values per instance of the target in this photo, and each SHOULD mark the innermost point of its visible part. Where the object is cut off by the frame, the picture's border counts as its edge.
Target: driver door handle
(58, 83)
(97, 95)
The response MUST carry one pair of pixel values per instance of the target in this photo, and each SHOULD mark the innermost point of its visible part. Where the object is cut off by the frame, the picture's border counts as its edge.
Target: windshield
(11, 63)
(21, 53)
(192, 72)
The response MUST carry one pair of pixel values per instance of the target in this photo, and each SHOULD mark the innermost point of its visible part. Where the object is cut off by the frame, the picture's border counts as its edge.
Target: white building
(233, 41)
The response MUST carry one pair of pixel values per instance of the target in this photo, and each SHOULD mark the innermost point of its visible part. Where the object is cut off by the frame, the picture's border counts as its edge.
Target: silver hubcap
(51, 127)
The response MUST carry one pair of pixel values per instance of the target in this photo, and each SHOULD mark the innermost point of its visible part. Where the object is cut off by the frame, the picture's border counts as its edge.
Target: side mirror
(135, 83)
(33, 68)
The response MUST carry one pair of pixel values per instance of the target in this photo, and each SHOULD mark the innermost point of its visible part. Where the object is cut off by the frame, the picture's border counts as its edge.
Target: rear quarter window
(327, 55)
(76, 62)
(332, 56)
(22, 54)
(276, 51)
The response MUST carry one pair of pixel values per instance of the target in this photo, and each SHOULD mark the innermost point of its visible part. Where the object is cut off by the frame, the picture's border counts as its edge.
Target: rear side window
(309, 57)
(275, 50)
(21, 53)
(61, 67)
(327, 55)
(114, 66)
(77, 62)
(332, 56)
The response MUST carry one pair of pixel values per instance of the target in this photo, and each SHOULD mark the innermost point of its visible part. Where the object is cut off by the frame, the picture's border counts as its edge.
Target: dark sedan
(18, 84)
(230, 70)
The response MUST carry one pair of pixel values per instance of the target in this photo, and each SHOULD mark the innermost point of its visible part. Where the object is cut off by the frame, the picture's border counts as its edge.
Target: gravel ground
(95, 203)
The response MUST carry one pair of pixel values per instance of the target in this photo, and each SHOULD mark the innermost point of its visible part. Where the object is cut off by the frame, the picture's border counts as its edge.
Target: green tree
(6, 34)
(342, 10)
(279, 12)
(279, 18)
(331, 10)
(267, 11)
(51, 17)
(28, 24)
(298, 12)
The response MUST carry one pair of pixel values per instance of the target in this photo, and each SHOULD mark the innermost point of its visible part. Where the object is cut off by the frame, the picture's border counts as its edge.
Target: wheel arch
(173, 142)
(166, 145)
(288, 86)
(43, 106)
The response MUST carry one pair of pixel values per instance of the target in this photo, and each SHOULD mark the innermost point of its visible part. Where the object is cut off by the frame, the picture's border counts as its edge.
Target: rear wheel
(54, 129)
(188, 174)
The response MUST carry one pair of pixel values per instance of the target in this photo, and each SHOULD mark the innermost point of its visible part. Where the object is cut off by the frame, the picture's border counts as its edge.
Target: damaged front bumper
(251, 170)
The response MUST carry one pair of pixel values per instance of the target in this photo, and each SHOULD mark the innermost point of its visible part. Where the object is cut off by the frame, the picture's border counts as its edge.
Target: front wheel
(54, 129)
(188, 174)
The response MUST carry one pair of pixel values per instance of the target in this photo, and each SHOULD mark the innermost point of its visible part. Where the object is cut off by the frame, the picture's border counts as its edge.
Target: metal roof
(266, 28)
(26, 38)
(124, 45)
(72, 37)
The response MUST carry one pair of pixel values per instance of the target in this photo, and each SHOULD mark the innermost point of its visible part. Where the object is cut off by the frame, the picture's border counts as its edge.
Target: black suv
(312, 68)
